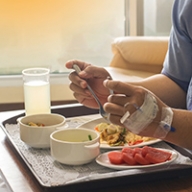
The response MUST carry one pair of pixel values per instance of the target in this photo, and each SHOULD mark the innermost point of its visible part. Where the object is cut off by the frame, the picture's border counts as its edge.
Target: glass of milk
(36, 90)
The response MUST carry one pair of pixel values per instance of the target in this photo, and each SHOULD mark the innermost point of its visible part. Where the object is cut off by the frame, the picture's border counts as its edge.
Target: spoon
(101, 110)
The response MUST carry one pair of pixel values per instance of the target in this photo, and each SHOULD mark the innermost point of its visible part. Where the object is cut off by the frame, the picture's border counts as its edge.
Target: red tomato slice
(144, 151)
(141, 160)
(129, 157)
(115, 157)
(128, 150)
(138, 150)
(154, 155)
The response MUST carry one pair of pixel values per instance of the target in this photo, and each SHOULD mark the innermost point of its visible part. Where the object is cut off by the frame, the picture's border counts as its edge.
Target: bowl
(74, 146)
(38, 136)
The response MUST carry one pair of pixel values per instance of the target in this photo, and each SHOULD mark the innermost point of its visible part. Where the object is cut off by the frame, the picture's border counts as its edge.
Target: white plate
(91, 125)
(104, 161)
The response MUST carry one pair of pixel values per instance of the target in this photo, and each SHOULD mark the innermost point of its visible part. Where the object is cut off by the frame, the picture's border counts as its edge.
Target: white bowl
(74, 147)
(39, 137)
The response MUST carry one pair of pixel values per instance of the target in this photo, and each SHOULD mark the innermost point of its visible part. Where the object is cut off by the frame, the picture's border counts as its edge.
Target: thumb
(119, 87)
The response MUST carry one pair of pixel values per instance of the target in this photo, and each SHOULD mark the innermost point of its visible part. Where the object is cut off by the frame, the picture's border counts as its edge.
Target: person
(158, 106)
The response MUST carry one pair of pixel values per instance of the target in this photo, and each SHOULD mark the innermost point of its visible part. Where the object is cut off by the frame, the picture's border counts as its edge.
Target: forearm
(182, 136)
(167, 90)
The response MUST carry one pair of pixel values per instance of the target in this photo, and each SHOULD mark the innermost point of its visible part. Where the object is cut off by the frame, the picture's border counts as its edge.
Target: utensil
(101, 110)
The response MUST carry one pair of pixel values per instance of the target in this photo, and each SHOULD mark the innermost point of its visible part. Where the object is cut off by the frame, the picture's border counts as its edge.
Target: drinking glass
(36, 90)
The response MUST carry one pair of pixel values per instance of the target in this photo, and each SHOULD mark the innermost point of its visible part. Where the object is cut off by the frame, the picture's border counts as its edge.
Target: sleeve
(178, 61)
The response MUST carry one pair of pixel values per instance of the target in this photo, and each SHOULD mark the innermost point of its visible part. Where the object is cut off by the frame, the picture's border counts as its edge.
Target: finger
(115, 119)
(119, 99)
(114, 109)
(74, 78)
(81, 97)
(95, 72)
(119, 87)
(128, 103)
(79, 90)
(82, 65)
(88, 71)
(89, 101)
(119, 110)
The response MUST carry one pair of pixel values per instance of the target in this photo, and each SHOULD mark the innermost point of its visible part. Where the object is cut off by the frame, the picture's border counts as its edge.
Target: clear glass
(36, 90)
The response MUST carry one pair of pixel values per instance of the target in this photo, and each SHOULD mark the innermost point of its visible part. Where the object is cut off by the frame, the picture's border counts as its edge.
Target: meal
(35, 124)
(115, 135)
(139, 156)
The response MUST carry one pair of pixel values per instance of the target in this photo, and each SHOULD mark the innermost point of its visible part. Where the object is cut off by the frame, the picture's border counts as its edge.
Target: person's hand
(130, 98)
(92, 75)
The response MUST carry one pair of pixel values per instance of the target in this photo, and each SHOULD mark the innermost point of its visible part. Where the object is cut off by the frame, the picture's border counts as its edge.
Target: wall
(157, 17)
(11, 89)
(47, 33)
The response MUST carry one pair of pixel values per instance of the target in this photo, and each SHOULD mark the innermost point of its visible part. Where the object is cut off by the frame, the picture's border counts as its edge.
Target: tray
(91, 175)
(4, 185)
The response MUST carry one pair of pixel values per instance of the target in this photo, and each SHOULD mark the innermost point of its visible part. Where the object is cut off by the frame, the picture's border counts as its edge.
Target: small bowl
(39, 136)
(74, 146)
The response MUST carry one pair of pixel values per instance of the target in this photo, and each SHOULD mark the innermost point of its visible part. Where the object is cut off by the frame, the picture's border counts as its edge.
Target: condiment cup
(74, 146)
(39, 136)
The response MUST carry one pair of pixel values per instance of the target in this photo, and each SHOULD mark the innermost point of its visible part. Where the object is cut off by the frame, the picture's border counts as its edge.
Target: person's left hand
(128, 97)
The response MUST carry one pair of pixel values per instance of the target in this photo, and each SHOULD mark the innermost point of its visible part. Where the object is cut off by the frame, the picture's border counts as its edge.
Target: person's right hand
(92, 75)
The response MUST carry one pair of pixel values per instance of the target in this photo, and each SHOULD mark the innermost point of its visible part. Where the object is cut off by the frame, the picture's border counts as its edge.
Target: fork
(101, 110)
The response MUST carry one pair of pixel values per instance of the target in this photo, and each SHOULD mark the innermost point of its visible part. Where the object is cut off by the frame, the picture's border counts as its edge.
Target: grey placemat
(51, 173)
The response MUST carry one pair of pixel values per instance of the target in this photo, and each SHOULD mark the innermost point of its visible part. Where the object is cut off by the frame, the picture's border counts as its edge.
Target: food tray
(51, 174)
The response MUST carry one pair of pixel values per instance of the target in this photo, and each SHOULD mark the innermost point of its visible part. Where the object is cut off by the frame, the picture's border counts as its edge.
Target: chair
(137, 57)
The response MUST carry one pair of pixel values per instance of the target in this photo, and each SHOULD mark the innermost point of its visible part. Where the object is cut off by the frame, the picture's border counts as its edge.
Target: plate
(103, 160)
(91, 125)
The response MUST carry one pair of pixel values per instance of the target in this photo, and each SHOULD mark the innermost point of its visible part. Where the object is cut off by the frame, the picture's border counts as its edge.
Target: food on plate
(139, 156)
(116, 157)
(155, 156)
(35, 124)
(115, 135)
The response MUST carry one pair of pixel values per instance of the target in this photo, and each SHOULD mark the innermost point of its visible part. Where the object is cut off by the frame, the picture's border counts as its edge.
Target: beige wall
(47, 33)
(11, 91)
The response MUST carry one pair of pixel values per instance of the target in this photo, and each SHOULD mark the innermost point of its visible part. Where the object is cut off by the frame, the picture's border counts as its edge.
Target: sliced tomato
(138, 150)
(128, 150)
(139, 157)
(129, 159)
(144, 150)
(128, 156)
(115, 157)
(154, 155)
(141, 160)
(137, 142)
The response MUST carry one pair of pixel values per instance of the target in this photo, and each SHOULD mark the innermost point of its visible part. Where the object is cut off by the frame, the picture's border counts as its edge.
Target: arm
(175, 97)
(183, 125)
(166, 89)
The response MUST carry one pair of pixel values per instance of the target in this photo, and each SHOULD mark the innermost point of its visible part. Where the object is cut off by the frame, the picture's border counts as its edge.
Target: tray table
(51, 174)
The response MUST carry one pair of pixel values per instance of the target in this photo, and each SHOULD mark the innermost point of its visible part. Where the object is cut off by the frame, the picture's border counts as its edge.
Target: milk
(37, 97)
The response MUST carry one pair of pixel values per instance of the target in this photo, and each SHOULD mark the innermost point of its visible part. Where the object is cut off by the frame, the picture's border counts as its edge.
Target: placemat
(52, 173)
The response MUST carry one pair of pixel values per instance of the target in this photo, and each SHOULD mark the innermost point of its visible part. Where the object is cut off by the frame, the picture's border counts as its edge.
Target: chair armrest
(141, 53)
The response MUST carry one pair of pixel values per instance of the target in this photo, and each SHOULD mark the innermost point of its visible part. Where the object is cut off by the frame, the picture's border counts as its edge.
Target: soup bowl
(35, 130)
(74, 146)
